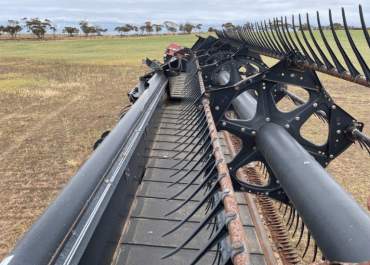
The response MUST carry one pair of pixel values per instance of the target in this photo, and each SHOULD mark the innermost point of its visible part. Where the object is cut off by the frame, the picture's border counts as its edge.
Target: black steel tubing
(339, 225)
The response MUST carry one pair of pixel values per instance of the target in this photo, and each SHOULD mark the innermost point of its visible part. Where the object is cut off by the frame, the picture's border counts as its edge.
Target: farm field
(57, 97)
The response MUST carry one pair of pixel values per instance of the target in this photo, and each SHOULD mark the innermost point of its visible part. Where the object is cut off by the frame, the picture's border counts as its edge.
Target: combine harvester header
(172, 182)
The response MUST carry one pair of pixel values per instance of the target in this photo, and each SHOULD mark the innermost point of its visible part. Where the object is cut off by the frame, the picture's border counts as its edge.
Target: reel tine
(201, 148)
(195, 115)
(218, 237)
(270, 45)
(209, 217)
(201, 134)
(338, 66)
(211, 191)
(360, 59)
(188, 163)
(198, 126)
(353, 71)
(303, 49)
(274, 37)
(291, 223)
(363, 25)
(307, 244)
(197, 207)
(316, 59)
(217, 256)
(210, 174)
(327, 63)
(195, 192)
(291, 48)
(315, 252)
(290, 214)
(285, 210)
(301, 233)
(204, 168)
(262, 37)
(195, 126)
(280, 37)
(295, 47)
(276, 47)
(296, 225)
(188, 171)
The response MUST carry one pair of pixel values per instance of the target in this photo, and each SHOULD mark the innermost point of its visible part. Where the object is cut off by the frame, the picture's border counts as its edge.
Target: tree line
(39, 27)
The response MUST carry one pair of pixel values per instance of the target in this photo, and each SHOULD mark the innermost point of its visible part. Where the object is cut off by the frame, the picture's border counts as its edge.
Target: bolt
(268, 119)
(297, 118)
(287, 126)
(315, 105)
(331, 156)
(242, 129)
(253, 132)
(282, 74)
(237, 88)
(339, 131)
(223, 123)
(217, 108)
(301, 78)
(333, 107)
(254, 148)
(292, 75)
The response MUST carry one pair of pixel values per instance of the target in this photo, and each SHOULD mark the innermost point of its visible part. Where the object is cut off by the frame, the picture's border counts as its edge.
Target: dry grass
(48, 129)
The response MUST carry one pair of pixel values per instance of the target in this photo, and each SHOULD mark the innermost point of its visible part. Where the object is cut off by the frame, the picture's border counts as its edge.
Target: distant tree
(86, 28)
(157, 28)
(148, 27)
(2, 29)
(188, 28)
(38, 27)
(337, 26)
(99, 30)
(181, 28)
(124, 29)
(13, 28)
(211, 29)
(199, 27)
(71, 30)
(53, 28)
(135, 28)
(171, 26)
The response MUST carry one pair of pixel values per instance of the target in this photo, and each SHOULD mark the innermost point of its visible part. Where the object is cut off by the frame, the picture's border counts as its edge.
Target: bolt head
(282, 74)
(242, 129)
(297, 118)
(339, 131)
(331, 156)
(268, 119)
(223, 123)
(333, 107)
(315, 105)
(217, 108)
(237, 88)
(287, 126)
(254, 133)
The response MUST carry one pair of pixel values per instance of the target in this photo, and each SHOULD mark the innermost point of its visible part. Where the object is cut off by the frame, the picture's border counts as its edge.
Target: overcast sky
(206, 12)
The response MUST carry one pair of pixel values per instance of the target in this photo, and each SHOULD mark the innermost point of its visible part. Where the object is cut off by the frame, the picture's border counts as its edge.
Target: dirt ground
(48, 130)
